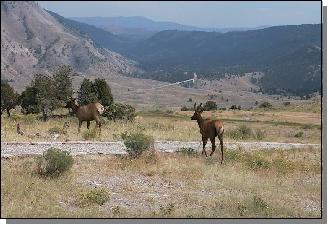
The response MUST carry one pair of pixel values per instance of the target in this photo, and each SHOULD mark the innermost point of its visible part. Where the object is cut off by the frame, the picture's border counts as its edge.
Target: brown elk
(209, 129)
(88, 112)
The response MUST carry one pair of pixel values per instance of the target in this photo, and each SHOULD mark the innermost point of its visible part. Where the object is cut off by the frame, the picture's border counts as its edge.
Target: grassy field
(280, 125)
(260, 183)
(271, 184)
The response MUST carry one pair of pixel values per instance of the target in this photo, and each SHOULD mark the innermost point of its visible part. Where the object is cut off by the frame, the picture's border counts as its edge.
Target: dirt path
(9, 149)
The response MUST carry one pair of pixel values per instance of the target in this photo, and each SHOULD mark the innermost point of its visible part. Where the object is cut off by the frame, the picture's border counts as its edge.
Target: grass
(277, 126)
(272, 183)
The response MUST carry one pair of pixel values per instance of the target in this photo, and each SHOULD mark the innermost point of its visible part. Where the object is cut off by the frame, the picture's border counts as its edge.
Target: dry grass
(281, 126)
(275, 184)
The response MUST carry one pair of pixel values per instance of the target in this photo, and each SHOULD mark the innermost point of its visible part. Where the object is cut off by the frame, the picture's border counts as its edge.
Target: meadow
(266, 184)
(260, 183)
(279, 125)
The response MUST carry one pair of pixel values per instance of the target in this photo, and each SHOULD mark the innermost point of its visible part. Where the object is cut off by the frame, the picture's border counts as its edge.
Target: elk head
(197, 112)
(71, 103)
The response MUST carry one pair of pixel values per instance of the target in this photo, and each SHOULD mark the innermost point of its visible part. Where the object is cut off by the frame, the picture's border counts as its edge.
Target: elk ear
(200, 108)
(194, 106)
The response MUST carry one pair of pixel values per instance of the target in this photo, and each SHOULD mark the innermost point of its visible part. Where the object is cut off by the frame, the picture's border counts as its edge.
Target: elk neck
(75, 107)
(200, 121)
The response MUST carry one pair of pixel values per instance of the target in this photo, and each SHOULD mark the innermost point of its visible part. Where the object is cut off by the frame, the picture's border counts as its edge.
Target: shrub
(16, 117)
(54, 162)
(95, 196)
(187, 151)
(265, 105)
(118, 111)
(233, 155)
(283, 166)
(184, 108)
(240, 133)
(259, 134)
(136, 143)
(286, 103)
(210, 105)
(89, 134)
(257, 162)
(259, 205)
(233, 107)
(299, 134)
(190, 100)
(30, 118)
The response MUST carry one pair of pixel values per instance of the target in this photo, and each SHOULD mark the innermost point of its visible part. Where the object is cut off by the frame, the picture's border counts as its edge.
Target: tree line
(47, 93)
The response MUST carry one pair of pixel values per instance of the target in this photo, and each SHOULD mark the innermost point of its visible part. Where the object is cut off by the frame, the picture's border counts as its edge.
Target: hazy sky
(197, 13)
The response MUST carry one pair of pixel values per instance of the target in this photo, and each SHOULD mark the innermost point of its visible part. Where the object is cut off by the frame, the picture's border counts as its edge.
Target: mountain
(139, 27)
(101, 37)
(33, 41)
(298, 72)
(213, 54)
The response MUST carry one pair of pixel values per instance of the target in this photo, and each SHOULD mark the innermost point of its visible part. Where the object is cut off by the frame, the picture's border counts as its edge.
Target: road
(9, 149)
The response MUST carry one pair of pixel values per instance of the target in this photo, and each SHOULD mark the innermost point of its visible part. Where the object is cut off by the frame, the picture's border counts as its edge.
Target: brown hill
(33, 41)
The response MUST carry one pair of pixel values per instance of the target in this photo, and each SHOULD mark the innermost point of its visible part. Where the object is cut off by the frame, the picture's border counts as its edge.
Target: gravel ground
(9, 149)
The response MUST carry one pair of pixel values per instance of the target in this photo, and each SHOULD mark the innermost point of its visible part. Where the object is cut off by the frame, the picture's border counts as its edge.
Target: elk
(209, 129)
(87, 112)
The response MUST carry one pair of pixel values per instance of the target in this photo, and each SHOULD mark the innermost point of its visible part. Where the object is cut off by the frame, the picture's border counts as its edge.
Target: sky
(207, 14)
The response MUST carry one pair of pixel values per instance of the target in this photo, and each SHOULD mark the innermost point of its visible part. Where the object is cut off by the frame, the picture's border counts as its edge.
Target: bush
(286, 103)
(299, 134)
(137, 143)
(54, 162)
(240, 133)
(30, 118)
(259, 134)
(118, 111)
(258, 162)
(89, 134)
(184, 108)
(210, 105)
(95, 196)
(233, 107)
(265, 105)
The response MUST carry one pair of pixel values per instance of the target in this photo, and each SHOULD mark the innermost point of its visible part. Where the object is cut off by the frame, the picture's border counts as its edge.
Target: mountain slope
(195, 49)
(101, 37)
(141, 28)
(33, 41)
(213, 54)
(298, 72)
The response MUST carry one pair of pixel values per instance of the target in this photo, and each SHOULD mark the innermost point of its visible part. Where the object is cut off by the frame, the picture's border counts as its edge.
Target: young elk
(87, 113)
(209, 129)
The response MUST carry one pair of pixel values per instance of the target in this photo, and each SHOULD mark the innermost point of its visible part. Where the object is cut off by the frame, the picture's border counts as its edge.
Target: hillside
(213, 54)
(142, 27)
(33, 41)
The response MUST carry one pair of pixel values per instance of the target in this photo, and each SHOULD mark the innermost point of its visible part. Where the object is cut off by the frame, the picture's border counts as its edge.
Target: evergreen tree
(103, 91)
(63, 83)
(9, 98)
(28, 100)
(87, 93)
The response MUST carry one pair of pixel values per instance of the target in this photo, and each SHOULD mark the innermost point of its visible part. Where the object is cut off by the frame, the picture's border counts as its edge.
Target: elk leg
(204, 140)
(213, 145)
(98, 124)
(221, 145)
(80, 123)
(88, 124)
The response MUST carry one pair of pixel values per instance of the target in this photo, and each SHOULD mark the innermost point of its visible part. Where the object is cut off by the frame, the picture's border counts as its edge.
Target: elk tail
(219, 130)
(100, 109)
